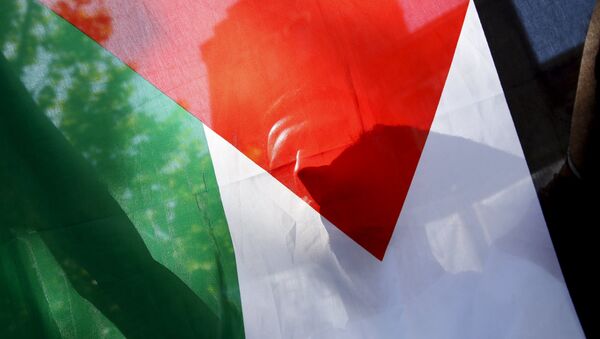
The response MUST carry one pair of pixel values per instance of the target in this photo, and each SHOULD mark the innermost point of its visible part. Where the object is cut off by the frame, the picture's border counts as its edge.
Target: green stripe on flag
(111, 222)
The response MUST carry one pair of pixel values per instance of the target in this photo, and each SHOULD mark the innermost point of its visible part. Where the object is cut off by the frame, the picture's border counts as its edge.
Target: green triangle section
(111, 222)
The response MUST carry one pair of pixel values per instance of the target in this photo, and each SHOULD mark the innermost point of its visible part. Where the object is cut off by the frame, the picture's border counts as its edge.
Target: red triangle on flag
(333, 98)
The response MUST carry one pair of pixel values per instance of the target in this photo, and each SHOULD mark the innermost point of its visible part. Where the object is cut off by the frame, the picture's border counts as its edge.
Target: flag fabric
(278, 169)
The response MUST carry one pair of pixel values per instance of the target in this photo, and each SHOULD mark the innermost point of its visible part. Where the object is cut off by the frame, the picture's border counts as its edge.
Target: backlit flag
(265, 169)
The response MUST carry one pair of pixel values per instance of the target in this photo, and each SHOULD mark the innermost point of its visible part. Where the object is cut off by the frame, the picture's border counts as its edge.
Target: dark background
(537, 47)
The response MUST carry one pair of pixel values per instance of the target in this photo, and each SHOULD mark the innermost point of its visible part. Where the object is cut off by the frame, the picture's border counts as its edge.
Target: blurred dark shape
(538, 66)
(369, 176)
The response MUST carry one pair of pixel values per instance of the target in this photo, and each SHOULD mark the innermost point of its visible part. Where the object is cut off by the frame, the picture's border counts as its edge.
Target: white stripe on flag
(470, 256)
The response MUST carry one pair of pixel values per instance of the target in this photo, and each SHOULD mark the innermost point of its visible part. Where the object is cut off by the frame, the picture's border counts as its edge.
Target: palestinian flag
(264, 169)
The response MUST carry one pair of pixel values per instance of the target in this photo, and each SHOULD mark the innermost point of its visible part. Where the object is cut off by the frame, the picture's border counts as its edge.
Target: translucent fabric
(332, 98)
(111, 222)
